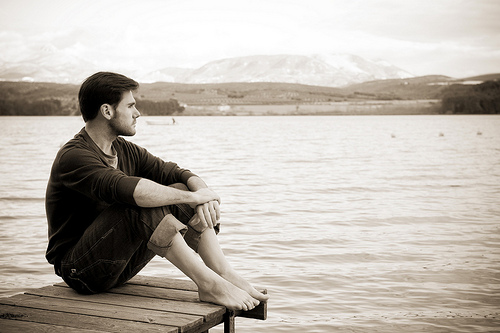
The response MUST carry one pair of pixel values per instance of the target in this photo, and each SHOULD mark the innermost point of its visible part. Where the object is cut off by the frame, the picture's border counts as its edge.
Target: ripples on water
(364, 224)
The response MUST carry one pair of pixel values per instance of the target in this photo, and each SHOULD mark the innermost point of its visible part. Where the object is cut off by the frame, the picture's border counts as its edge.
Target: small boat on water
(161, 122)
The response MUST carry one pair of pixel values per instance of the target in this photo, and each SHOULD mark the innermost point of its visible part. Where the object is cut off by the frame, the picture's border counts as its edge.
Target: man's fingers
(216, 207)
(213, 212)
(208, 215)
(201, 215)
(198, 224)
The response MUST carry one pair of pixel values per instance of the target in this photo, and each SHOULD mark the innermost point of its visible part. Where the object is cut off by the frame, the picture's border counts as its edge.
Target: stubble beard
(119, 129)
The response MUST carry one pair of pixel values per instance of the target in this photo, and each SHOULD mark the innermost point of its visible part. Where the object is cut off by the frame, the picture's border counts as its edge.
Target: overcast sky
(450, 37)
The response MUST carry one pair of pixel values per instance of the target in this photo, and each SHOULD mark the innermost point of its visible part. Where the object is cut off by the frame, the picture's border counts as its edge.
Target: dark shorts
(121, 241)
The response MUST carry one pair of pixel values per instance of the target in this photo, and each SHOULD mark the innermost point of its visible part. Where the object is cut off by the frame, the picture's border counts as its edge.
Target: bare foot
(224, 293)
(241, 283)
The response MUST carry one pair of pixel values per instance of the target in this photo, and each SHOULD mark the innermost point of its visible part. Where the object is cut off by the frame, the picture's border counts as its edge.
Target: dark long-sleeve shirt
(82, 184)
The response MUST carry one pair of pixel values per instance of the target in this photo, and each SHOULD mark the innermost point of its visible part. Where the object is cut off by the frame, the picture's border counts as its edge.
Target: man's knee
(162, 237)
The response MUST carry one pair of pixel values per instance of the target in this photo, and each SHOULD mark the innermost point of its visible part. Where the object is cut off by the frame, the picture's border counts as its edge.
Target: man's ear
(107, 111)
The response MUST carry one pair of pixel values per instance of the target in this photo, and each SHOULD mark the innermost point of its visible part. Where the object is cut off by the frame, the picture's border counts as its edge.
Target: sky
(458, 38)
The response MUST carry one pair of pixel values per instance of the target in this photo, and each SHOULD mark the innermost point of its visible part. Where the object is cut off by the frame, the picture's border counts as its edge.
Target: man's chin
(128, 133)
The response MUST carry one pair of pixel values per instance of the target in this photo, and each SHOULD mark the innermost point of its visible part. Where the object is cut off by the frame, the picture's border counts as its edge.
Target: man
(112, 206)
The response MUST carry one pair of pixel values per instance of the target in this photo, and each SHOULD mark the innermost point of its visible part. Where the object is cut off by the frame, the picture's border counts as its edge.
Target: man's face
(125, 116)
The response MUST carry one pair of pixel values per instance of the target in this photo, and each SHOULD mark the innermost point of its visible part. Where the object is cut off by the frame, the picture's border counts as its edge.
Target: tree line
(483, 98)
(31, 99)
(19, 107)
(62, 107)
(159, 108)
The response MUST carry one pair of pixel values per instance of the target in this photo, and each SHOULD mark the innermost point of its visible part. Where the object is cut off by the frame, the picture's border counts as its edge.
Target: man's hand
(208, 214)
(207, 206)
(204, 196)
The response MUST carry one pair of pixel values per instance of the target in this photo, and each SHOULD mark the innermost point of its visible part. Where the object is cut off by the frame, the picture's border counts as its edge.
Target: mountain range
(329, 70)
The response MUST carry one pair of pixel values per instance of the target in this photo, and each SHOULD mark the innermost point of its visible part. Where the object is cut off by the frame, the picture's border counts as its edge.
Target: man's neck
(101, 137)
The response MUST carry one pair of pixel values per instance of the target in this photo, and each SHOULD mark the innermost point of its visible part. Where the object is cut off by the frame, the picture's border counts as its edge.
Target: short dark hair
(103, 88)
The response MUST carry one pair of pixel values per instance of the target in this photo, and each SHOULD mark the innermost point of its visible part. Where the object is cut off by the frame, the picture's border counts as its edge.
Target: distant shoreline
(375, 107)
(389, 97)
(368, 107)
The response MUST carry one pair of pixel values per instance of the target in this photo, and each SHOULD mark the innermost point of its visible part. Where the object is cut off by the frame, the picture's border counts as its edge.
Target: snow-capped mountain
(360, 70)
(49, 64)
(334, 70)
(331, 70)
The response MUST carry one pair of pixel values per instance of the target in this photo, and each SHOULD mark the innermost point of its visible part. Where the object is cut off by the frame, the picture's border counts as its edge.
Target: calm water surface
(353, 224)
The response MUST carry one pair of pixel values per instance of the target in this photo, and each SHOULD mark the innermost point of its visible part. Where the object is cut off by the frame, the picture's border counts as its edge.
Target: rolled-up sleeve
(184, 175)
(125, 189)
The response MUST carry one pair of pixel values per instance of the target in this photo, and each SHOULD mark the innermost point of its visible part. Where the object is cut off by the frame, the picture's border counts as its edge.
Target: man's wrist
(190, 198)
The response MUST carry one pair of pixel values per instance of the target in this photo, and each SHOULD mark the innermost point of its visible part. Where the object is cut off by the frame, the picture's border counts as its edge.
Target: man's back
(83, 183)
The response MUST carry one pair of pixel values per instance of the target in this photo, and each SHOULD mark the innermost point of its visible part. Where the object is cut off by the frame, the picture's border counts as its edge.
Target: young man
(112, 206)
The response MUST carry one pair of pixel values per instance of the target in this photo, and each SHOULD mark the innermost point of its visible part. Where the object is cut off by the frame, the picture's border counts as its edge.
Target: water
(353, 224)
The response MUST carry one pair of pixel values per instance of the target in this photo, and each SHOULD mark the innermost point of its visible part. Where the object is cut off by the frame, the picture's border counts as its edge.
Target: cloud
(13, 47)
(422, 37)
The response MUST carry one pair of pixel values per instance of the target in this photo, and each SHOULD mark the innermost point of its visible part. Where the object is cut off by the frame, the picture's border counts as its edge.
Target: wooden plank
(172, 294)
(149, 290)
(207, 310)
(210, 324)
(10, 326)
(182, 321)
(82, 322)
(161, 282)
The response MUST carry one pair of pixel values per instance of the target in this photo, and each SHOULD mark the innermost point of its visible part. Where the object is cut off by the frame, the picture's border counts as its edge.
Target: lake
(353, 223)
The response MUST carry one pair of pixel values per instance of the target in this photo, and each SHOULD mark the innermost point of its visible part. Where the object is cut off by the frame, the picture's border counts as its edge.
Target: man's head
(103, 88)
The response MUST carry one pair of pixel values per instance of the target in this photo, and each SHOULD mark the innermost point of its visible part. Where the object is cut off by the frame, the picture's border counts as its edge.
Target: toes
(251, 303)
(248, 306)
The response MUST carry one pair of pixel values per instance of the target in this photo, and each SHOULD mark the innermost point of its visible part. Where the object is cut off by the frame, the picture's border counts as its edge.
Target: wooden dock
(144, 304)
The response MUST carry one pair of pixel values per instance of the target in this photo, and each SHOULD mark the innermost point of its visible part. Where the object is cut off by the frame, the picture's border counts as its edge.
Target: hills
(331, 70)
(416, 95)
(240, 93)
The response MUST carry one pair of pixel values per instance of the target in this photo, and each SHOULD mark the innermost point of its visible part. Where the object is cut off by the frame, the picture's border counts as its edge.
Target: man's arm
(150, 194)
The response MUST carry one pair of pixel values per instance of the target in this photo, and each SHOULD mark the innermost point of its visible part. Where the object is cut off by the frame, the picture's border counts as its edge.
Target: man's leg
(111, 250)
(211, 287)
(205, 242)
(212, 255)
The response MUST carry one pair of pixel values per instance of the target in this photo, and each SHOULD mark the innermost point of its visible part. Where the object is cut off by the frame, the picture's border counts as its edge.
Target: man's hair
(103, 88)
